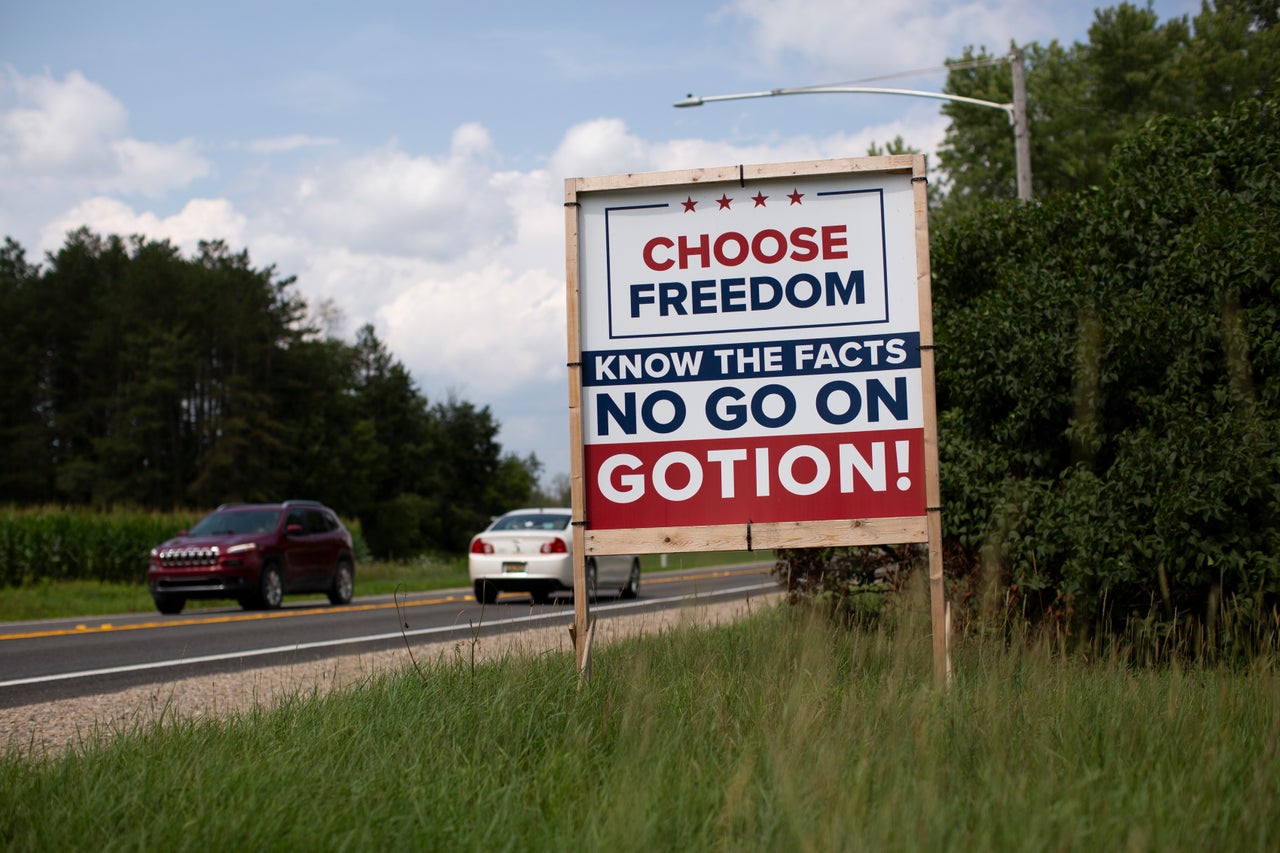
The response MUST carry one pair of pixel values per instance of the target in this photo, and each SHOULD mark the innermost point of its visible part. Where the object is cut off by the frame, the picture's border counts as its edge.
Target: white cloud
(606, 147)
(153, 170)
(496, 328)
(58, 128)
(294, 142)
(490, 311)
(392, 202)
(199, 219)
(70, 135)
(600, 147)
(65, 141)
(844, 38)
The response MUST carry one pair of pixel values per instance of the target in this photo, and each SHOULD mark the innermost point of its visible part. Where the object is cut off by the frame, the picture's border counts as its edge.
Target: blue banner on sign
(714, 362)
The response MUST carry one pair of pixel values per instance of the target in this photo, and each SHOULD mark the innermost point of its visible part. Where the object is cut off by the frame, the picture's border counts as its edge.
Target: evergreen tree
(25, 471)
(139, 377)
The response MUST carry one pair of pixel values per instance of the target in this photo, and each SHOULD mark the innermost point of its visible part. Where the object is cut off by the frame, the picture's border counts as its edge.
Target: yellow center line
(84, 630)
(726, 573)
(216, 620)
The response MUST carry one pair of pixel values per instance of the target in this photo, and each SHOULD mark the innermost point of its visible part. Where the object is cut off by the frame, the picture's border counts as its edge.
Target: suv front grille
(180, 558)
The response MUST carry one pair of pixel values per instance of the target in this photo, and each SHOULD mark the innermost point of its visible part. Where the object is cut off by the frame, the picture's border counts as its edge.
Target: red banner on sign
(820, 477)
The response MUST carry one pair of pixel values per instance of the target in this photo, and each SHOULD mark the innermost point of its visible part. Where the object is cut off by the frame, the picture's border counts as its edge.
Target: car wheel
(592, 577)
(485, 593)
(167, 603)
(270, 588)
(344, 583)
(632, 589)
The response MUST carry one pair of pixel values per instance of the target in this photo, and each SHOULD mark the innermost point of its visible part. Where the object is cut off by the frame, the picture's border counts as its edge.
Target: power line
(916, 72)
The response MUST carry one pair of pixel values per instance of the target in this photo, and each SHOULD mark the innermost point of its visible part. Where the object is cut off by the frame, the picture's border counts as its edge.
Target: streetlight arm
(697, 100)
(1016, 111)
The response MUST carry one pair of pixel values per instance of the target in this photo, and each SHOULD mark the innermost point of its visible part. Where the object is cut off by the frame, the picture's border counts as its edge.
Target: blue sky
(406, 160)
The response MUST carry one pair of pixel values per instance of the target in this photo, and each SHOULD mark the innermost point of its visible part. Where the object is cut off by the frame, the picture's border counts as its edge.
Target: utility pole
(1021, 129)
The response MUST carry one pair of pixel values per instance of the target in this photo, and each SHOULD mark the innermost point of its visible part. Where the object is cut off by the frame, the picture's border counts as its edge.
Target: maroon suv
(255, 553)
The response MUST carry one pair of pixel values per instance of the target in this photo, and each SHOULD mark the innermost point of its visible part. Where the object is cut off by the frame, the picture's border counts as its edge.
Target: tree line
(135, 376)
(1108, 355)
(1109, 385)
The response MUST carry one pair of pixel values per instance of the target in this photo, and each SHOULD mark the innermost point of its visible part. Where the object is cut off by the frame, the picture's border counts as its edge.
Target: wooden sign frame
(924, 527)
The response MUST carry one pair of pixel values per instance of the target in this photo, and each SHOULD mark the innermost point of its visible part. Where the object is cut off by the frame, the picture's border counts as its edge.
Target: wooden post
(933, 491)
(581, 607)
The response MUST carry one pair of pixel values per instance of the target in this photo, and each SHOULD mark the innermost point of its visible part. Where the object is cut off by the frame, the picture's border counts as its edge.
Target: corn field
(56, 544)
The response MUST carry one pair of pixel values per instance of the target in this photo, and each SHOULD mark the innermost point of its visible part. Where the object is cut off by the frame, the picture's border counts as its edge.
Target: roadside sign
(747, 356)
(750, 356)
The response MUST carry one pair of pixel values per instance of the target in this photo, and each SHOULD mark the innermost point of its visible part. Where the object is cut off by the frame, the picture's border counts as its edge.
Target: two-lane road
(57, 659)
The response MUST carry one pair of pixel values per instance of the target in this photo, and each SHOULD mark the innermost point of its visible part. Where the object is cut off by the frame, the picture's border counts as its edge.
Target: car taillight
(555, 546)
(481, 547)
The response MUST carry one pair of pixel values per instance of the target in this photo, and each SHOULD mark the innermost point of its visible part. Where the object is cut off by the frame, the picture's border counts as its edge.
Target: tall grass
(780, 733)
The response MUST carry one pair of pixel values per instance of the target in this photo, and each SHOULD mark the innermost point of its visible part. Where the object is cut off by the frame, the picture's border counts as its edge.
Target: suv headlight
(242, 548)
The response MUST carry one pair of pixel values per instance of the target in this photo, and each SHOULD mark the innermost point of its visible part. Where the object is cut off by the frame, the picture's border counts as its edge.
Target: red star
(689, 204)
(723, 201)
(759, 198)
(795, 196)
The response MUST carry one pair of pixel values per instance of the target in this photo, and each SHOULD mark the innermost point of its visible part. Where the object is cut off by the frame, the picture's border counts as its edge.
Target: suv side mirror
(293, 529)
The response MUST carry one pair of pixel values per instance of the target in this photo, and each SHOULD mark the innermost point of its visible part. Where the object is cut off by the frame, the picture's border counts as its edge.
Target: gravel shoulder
(48, 728)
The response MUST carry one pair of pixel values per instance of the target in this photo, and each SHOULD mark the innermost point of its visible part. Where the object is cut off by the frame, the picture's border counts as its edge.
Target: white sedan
(531, 550)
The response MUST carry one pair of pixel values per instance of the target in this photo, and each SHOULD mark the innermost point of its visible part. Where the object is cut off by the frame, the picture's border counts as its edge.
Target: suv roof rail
(268, 503)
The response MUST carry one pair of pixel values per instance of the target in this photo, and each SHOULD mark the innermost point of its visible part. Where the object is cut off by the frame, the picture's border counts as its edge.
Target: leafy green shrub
(1109, 383)
(851, 582)
(360, 548)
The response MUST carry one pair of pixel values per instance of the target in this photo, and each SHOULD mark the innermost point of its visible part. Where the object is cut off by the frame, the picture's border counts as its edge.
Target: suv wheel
(169, 603)
(270, 588)
(344, 583)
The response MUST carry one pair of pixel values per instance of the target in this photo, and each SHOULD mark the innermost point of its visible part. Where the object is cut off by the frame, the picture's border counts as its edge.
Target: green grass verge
(777, 733)
(61, 599)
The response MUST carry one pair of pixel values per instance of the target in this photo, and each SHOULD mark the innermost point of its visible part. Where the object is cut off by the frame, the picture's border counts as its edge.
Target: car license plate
(513, 567)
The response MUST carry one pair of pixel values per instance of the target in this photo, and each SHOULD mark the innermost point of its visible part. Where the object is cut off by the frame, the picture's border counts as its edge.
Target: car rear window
(533, 521)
